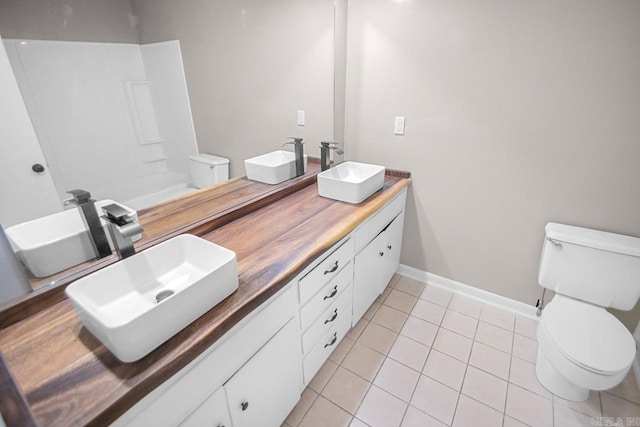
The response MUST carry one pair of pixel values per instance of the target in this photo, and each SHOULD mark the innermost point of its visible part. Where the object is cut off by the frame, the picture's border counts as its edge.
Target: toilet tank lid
(602, 240)
(209, 159)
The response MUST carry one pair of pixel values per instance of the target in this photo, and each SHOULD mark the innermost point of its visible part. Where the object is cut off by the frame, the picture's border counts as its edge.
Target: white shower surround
(79, 98)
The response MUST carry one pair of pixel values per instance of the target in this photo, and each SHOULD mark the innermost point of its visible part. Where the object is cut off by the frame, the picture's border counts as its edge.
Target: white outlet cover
(398, 126)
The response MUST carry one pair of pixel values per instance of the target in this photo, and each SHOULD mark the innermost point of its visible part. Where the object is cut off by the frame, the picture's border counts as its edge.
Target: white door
(213, 412)
(24, 193)
(392, 250)
(267, 387)
(367, 278)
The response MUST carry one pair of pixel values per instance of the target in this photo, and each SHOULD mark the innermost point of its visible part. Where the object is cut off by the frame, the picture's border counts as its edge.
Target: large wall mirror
(121, 92)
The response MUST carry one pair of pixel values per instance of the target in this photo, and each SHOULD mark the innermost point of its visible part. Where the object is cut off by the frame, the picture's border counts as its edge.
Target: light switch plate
(300, 117)
(398, 126)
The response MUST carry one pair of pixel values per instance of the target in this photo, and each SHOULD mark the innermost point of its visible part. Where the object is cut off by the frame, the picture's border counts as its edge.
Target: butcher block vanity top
(65, 376)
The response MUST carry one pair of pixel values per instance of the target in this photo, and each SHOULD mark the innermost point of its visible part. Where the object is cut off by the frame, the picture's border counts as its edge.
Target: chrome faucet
(122, 229)
(299, 149)
(86, 206)
(325, 151)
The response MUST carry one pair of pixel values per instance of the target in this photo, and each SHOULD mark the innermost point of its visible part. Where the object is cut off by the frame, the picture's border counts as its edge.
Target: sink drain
(163, 295)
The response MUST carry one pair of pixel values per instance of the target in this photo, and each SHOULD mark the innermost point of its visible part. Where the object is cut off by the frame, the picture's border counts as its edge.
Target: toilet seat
(588, 335)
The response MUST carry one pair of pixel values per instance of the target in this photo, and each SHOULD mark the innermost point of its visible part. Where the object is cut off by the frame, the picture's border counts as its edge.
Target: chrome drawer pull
(381, 253)
(333, 317)
(334, 338)
(332, 294)
(244, 405)
(333, 269)
(389, 247)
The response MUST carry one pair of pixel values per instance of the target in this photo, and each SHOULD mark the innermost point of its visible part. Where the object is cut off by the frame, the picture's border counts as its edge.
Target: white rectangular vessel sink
(53, 243)
(350, 182)
(136, 304)
(273, 168)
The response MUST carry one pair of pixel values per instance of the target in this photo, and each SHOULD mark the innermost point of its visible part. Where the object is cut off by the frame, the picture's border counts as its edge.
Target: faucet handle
(80, 196)
(294, 140)
(116, 214)
(328, 144)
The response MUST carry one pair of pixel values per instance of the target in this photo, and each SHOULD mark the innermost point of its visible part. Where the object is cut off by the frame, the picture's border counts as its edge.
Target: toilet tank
(207, 169)
(594, 266)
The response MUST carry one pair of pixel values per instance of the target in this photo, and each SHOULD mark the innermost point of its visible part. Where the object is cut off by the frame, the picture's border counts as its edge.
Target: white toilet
(207, 169)
(581, 346)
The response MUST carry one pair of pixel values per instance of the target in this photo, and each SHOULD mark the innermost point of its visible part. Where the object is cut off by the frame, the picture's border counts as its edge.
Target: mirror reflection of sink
(56, 242)
(350, 182)
(273, 168)
(136, 304)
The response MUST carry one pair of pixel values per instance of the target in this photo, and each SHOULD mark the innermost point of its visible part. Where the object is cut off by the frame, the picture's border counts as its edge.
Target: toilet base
(557, 384)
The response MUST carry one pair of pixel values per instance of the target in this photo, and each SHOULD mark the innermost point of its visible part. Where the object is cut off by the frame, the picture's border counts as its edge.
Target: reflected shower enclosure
(110, 117)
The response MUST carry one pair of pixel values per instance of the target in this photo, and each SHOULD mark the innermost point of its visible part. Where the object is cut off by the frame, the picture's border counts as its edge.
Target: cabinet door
(267, 387)
(213, 412)
(391, 259)
(367, 279)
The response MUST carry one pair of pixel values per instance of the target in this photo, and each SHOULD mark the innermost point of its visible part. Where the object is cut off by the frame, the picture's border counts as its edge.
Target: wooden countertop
(69, 378)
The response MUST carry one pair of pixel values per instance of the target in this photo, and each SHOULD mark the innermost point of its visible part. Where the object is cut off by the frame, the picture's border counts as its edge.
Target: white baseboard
(431, 279)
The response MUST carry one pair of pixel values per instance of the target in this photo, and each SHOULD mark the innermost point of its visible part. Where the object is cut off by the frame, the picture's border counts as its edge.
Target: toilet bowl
(581, 347)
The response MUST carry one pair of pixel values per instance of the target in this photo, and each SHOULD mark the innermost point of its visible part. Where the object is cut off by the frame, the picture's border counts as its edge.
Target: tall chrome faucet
(86, 206)
(299, 149)
(122, 229)
(325, 153)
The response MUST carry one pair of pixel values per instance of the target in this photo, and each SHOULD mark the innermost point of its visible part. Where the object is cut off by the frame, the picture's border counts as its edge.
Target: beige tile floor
(423, 356)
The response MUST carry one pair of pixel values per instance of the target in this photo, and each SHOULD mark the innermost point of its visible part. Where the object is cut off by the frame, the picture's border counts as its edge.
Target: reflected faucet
(87, 208)
(122, 229)
(325, 151)
(299, 149)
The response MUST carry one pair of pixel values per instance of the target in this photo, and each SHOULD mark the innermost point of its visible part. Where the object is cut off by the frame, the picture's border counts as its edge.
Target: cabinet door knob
(244, 405)
(332, 294)
(389, 247)
(381, 253)
(37, 168)
(334, 268)
(333, 317)
(334, 338)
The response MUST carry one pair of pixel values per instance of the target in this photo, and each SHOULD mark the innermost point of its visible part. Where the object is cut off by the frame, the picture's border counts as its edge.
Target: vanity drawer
(323, 348)
(326, 270)
(326, 296)
(368, 230)
(334, 313)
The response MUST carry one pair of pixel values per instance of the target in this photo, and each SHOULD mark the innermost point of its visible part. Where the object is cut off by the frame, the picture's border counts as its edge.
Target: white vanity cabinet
(264, 389)
(378, 242)
(393, 244)
(368, 280)
(267, 387)
(251, 376)
(254, 374)
(326, 306)
(213, 412)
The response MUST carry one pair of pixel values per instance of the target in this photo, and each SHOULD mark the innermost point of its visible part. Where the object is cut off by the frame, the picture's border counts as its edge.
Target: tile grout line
(398, 334)
(309, 408)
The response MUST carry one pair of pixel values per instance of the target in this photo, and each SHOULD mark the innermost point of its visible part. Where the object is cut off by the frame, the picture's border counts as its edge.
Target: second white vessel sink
(350, 182)
(136, 304)
(273, 168)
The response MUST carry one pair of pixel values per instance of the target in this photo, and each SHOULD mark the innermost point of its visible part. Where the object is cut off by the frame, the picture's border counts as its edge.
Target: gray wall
(518, 113)
(250, 65)
(70, 20)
